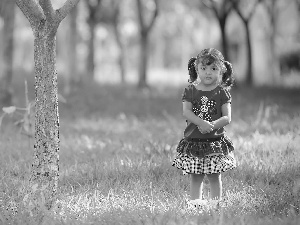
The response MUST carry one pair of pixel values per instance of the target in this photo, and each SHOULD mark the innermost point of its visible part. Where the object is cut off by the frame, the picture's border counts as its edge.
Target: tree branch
(207, 3)
(115, 4)
(227, 7)
(65, 9)
(154, 15)
(215, 9)
(140, 14)
(32, 11)
(253, 10)
(235, 4)
(48, 9)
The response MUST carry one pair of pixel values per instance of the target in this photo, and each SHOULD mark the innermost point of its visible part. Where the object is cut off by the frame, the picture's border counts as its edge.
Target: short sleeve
(225, 96)
(187, 94)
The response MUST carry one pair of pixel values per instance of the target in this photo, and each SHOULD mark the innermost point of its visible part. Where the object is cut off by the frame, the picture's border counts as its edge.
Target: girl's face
(208, 74)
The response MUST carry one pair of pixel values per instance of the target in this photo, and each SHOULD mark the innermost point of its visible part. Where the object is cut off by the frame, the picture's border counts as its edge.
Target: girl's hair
(192, 70)
(207, 57)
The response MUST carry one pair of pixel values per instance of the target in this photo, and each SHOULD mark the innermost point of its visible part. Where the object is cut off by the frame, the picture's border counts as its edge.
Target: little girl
(205, 148)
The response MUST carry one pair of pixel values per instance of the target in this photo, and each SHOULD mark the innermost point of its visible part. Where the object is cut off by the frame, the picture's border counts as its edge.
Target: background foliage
(117, 142)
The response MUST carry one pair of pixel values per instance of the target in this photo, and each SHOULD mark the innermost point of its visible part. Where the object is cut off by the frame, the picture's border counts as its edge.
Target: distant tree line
(112, 13)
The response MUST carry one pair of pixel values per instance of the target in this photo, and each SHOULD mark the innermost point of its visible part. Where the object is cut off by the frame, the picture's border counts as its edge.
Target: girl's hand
(206, 127)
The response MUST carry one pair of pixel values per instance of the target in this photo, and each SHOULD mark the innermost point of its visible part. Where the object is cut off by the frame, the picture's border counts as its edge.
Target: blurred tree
(298, 7)
(44, 21)
(106, 12)
(7, 12)
(273, 9)
(93, 7)
(109, 14)
(73, 77)
(221, 11)
(144, 30)
(245, 10)
(116, 6)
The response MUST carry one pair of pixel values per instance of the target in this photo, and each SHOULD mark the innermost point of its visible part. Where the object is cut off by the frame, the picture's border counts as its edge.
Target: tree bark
(121, 56)
(6, 90)
(249, 77)
(91, 51)
(115, 22)
(43, 180)
(246, 21)
(94, 8)
(222, 23)
(143, 62)
(45, 169)
(221, 11)
(144, 33)
(73, 76)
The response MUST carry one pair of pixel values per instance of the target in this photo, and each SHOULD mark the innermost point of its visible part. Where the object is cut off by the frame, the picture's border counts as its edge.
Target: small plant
(27, 113)
(25, 123)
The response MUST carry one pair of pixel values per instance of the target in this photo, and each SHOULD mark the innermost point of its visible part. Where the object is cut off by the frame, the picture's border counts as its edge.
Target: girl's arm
(225, 119)
(190, 116)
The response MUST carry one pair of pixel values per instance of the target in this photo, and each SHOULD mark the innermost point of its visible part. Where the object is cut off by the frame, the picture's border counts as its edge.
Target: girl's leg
(196, 186)
(215, 185)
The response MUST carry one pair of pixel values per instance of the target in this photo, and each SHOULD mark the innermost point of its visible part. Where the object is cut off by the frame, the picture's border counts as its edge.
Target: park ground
(116, 148)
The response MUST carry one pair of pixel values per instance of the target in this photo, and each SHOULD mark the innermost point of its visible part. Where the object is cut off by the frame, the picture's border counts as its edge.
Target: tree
(144, 30)
(298, 7)
(245, 10)
(73, 76)
(44, 21)
(105, 12)
(116, 6)
(110, 14)
(273, 9)
(7, 12)
(92, 20)
(221, 11)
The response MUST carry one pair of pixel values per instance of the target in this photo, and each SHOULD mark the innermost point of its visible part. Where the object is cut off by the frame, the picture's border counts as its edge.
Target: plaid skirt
(207, 165)
(205, 156)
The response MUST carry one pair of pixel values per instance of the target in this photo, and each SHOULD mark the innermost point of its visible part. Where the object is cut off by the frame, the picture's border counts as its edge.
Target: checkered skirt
(207, 165)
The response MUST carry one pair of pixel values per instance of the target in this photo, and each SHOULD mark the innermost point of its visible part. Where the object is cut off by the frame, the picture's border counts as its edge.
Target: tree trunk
(143, 61)
(91, 53)
(73, 76)
(45, 167)
(273, 55)
(121, 55)
(222, 23)
(6, 90)
(249, 75)
(44, 20)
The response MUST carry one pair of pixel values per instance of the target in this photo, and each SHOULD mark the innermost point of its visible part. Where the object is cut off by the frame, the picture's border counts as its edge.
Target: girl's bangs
(208, 60)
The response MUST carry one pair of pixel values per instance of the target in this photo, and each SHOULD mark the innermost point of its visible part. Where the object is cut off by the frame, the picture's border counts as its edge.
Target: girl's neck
(202, 87)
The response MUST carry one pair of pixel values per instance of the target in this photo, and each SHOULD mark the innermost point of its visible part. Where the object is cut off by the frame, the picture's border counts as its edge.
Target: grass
(116, 149)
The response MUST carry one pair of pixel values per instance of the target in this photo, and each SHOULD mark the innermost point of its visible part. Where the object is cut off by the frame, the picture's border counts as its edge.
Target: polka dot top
(206, 105)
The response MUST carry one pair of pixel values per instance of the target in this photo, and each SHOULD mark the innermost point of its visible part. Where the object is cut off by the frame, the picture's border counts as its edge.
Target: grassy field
(116, 149)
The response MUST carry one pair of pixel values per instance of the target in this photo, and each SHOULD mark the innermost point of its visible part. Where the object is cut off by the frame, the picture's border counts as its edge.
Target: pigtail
(227, 78)
(192, 70)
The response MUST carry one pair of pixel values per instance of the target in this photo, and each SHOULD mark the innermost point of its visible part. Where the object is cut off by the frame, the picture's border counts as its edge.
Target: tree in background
(298, 7)
(144, 30)
(92, 21)
(273, 9)
(72, 60)
(245, 10)
(7, 12)
(44, 21)
(110, 14)
(221, 11)
(116, 7)
(106, 12)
